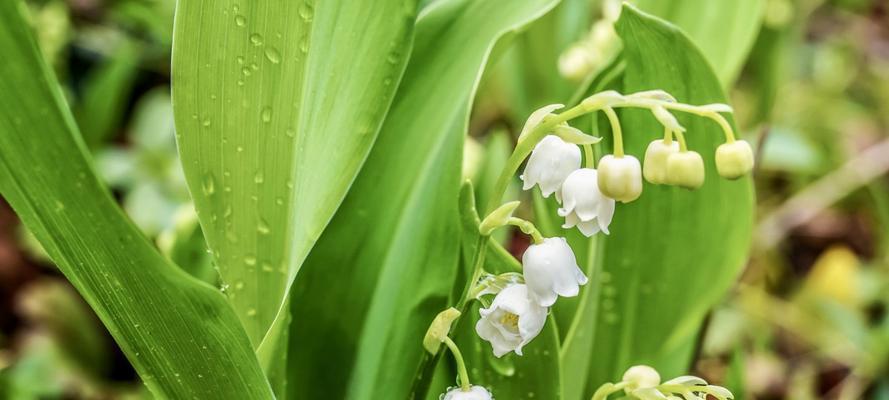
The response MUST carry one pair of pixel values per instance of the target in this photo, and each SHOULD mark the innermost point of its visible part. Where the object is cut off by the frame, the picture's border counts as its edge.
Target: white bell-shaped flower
(551, 270)
(655, 167)
(735, 159)
(511, 321)
(474, 393)
(620, 178)
(584, 205)
(550, 163)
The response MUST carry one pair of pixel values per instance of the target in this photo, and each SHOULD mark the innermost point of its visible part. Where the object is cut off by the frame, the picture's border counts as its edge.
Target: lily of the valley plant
(588, 195)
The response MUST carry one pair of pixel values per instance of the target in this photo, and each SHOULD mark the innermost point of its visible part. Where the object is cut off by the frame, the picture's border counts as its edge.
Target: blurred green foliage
(807, 321)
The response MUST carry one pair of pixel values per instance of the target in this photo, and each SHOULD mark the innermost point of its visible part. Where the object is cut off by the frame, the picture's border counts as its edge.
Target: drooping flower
(551, 270)
(654, 167)
(620, 178)
(583, 205)
(685, 169)
(734, 159)
(474, 393)
(550, 163)
(512, 321)
(641, 377)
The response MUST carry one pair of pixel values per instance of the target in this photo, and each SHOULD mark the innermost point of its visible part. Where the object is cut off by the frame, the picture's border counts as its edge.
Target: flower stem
(461, 365)
(589, 157)
(527, 144)
(726, 128)
(668, 136)
(524, 148)
(687, 108)
(683, 146)
(607, 389)
(477, 270)
(615, 131)
(528, 228)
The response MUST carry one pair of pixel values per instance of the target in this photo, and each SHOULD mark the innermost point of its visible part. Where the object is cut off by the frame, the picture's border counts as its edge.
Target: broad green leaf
(530, 68)
(386, 264)
(673, 253)
(180, 334)
(724, 30)
(275, 116)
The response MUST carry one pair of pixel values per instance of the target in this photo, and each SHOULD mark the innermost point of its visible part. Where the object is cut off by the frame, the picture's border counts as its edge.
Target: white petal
(571, 220)
(550, 270)
(588, 228)
(605, 214)
(475, 393)
(530, 325)
(536, 267)
(513, 299)
(500, 344)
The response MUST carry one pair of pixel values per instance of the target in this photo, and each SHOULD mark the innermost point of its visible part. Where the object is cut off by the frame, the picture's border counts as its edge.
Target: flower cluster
(560, 162)
(519, 310)
(596, 49)
(643, 382)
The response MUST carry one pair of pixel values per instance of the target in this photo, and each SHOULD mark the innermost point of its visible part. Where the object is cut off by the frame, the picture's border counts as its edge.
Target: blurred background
(809, 318)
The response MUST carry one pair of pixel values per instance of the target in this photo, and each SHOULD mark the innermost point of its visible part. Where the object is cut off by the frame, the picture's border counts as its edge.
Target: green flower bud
(498, 218)
(439, 329)
(654, 167)
(641, 377)
(685, 169)
(620, 178)
(734, 160)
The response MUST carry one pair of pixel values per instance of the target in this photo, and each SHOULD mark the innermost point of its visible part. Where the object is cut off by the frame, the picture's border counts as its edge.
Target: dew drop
(304, 44)
(393, 57)
(251, 312)
(263, 227)
(306, 11)
(266, 114)
(259, 177)
(273, 55)
(208, 184)
(256, 39)
(503, 366)
(250, 260)
(240, 20)
(239, 59)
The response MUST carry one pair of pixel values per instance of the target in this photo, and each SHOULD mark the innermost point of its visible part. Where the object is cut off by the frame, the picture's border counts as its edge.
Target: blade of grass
(179, 333)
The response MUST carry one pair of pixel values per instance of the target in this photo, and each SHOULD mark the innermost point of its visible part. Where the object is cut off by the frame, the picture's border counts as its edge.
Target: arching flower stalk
(643, 382)
(587, 198)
